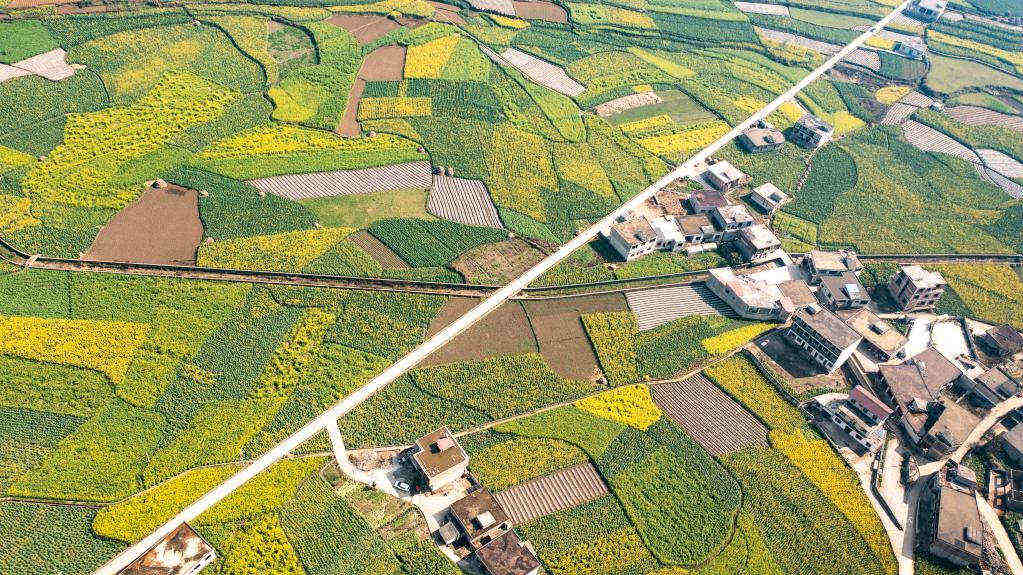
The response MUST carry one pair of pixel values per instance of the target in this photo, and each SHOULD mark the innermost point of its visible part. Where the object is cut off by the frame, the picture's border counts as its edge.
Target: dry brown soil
(447, 13)
(560, 333)
(365, 27)
(497, 263)
(349, 125)
(504, 332)
(385, 64)
(161, 227)
(548, 11)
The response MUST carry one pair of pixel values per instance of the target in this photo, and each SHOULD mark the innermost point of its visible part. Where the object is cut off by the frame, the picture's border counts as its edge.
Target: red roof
(871, 402)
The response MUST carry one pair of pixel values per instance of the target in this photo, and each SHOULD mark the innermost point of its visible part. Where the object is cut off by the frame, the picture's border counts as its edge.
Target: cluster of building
(692, 221)
(475, 526)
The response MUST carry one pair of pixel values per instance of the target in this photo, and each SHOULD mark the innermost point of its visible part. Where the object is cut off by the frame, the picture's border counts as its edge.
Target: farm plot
(349, 124)
(1001, 163)
(415, 175)
(51, 65)
(385, 64)
(498, 263)
(977, 116)
(561, 490)
(538, 70)
(930, 140)
(658, 306)
(161, 227)
(464, 201)
(365, 27)
(866, 58)
(1011, 187)
(709, 415)
(378, 250)
(505, 7)
(504, 332)
(627, 102)
(898, 113)
(547, 11)
(560, 334)
(758, 8)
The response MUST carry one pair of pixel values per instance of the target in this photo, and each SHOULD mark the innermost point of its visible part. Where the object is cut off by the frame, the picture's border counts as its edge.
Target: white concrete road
(474, 315)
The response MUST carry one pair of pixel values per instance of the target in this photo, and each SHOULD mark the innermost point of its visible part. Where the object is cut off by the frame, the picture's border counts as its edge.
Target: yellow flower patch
(628, 404)
(881, 43)
(289, 251)
(791, 110)
(683, 144)
(891, 94)
(1013, 58)
(845, 122)
(13, 159)
(394, 107)
(659, 123)
(428, 60)
(642, 88)
(670, 66)
(106, 346)
(14, 213)
(748, 104)
(505, 21)
(726, 342)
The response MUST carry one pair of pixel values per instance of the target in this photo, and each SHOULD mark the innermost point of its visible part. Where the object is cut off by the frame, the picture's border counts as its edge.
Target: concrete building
(914, 288)
(762, 137)
(882, 339)
(725, 177)
(669, 235)
(749, 297)
(993, 386)
(758, 243)
(950, 525)
(730, 219)
(507, 555)
(183, 552)
(825, 338)
(819, 263)
(862, 416)
(768, 197)
(670, 201)
(926, 10)
(842, 292)
(440, 458)
(910, 50)
(1002, 341)
(698, 229)
(703, 201)
(811, 132)
(633, 238)
(1012, 444)
(485, 527)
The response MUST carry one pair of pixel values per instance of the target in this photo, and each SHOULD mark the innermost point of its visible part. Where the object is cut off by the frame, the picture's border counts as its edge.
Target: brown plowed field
(365, 27)
(497, 263)
(548, 11)
(561, 490)
(378, 250)
(560, 333)
(504, 332)
(161, 227)
(349, 126)
(385, 64)
(447, 13)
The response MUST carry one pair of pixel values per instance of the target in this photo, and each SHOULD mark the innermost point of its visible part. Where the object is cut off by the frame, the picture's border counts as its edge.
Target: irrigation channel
(329, 417)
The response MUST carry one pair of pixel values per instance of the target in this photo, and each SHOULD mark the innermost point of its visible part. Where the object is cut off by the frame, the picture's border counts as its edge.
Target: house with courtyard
(633, 238)
(761, 138)
(914, 289)
(439, 458)
(811, 132)
(749, 297)
(843, 291)
(725, 177)
(818, 264)
(822, 336)
(768, 197)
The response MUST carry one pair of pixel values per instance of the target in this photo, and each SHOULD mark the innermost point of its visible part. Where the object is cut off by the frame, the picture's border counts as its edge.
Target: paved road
(987, 513)
(474, 315)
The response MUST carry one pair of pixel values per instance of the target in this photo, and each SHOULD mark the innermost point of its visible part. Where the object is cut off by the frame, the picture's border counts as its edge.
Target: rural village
(495, 287)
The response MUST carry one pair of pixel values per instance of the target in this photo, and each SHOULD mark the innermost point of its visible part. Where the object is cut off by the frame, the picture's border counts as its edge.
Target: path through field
(441, 338)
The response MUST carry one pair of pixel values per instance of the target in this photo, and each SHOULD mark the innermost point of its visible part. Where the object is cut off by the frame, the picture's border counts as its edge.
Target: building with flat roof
(842, 292)
(950, 525)
(762, 137)
(749, 297)
(913, 288)
(1002, 341)
(669, 234)
(725, 177)
(878, 334)
(730, 219)
(926, 10)
(797, 292)
(703, 201)
(183, 552)
(757, 243)
(862, 416)
(819, 263)
(823, 336)
(479, 517)
(633, 238)
(670, 201)
(440, 458)
(768, 197)
(698, 229)
(811, 132)
(507, 555)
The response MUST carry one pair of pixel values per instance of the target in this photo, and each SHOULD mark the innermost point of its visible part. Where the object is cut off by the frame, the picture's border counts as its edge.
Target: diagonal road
(471, 317)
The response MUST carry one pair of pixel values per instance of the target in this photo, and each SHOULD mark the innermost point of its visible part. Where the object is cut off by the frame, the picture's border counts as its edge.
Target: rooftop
(811, 122)
(506, 555)
(1006, 338)
(919, 381)
(770, 193)
(696, 224)
(478, 513)
(839, 261)
(921, 278)
(870, 401)
(845, 287)
(760, 237)
(670, 201)
(438, 452)
(752, 292)
(734, 213)
(667, 230)
(766, 136)
(798, 292)
(725, 171)
(710, 198)
(177, 554)
(959, 523)
(827, 325)
(875, 330)
(635, 232)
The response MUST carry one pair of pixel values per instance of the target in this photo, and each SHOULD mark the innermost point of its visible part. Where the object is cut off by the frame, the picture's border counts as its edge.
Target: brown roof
(178, 553)
(506, 555)
(874, 405)
(478, 513)
(670, 201)
(921, 377)
(959, 523)
(635, 232)
(695, 224)
(438, 452)
(1006, 339)
(798, 292)
(828, 326)
(840, 261)
(875, 330)
(711, 198)
(764, 136)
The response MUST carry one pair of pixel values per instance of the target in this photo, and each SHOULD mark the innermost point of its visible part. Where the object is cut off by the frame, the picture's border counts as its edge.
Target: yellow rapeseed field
(427, 60)
(628, 404)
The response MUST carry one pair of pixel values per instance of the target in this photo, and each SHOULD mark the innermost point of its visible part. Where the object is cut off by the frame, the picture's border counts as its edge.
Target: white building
(758, 243)
(633, 238)
(823, 336)
(862, 416)
(926, 10)
(768, 197)
(725, 177)
(730, 219)
(669, 235)
(750, 297)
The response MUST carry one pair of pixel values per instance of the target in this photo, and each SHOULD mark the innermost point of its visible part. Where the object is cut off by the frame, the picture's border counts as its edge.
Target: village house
(798, 293)
(913, 288)
(507, 555)
(823, 337)
(818, 264)
(725, 177)
(670, 201)
(633, 238)
(926, 10)
(1007, 492)
(703, 201)
(669, 235)
(842, 292)
(862, 416)
(768, 197)
(698, 229)
(914, 388)
(1002, 341)
(749, 297)
(730, 219)
(440, 458)
(1012, 444)
(910, 50)
(183, 552)
(950, 526)
(758, 243)
(811, 132)
(881, 338)
(762, 137)
(486, 529)
(990, 388)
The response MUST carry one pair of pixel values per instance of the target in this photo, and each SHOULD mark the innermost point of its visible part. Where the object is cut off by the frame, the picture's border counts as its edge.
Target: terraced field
(348, 182)
(561, 490)
(658, 306)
